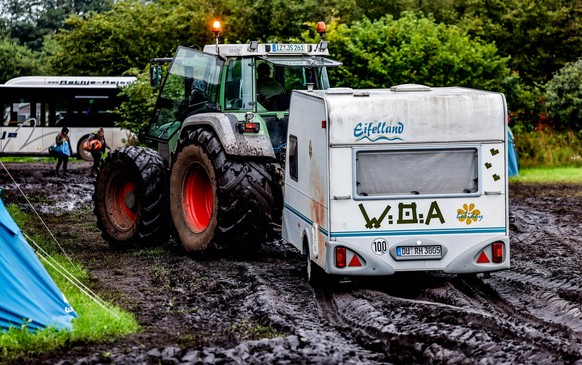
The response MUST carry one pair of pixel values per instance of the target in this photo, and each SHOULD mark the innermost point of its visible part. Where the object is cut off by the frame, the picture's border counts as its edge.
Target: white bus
(36, 108)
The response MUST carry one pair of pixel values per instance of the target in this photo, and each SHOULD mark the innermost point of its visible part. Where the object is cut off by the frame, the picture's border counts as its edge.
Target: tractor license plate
(288, 48)
(419, 252)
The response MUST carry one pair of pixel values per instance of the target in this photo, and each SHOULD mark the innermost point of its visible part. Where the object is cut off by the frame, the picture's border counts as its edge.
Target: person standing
(98, 145)
(64, 145)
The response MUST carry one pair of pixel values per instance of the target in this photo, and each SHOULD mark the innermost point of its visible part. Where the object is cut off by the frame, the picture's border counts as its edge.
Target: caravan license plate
(419, 251)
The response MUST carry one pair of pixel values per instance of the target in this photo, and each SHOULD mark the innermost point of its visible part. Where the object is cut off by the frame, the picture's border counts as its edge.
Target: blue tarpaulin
(512, 165)
(27, 292)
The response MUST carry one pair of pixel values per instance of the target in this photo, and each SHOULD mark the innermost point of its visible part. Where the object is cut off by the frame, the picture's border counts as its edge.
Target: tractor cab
(250, 83)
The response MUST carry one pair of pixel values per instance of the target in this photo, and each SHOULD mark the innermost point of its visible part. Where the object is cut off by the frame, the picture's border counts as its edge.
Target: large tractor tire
(214, 196)
(130, 198)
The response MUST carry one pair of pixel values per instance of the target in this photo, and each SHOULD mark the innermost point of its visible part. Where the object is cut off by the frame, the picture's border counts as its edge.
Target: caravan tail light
(497, 252)
(340, 257)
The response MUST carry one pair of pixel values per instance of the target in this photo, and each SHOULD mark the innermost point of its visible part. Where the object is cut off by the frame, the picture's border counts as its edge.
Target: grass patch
(549, 148)
(550, 175)
(94, 324)
(36, 159)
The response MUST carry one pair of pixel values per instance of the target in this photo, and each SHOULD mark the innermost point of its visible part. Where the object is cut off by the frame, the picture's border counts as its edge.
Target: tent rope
(43, 255)
(35, 212)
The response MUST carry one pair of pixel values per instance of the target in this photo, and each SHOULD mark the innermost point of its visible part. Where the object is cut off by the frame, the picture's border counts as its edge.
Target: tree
(129, 35)
(29, 22)
(136, 111)
(541, 36)
(414, 49)
(280, 20)
(17, 60)
(564, 97)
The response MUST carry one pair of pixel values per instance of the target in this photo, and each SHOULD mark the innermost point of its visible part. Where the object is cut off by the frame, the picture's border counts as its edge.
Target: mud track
(228, 307)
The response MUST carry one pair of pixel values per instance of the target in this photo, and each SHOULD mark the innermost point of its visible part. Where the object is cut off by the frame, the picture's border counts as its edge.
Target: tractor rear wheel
(214, 196)
(130, 199)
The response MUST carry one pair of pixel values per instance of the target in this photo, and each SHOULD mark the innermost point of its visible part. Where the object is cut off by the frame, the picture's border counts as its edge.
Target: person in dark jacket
(64, 143)
(97, 153)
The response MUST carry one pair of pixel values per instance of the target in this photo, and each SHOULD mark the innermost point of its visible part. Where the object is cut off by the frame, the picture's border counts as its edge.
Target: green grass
(94, 324)
(549, 175)
(35, 159)
(549, 148)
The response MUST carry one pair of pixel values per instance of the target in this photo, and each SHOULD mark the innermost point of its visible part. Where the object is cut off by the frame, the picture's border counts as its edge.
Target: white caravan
(410, 178)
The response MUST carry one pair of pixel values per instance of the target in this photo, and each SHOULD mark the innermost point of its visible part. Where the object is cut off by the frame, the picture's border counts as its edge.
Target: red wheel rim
(197, 198)
(125, 198)
(121, 204)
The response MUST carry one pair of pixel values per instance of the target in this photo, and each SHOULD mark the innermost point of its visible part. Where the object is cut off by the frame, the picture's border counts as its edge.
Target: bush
(136, 111)
(548, 148)
(414, 49)
(564, 96)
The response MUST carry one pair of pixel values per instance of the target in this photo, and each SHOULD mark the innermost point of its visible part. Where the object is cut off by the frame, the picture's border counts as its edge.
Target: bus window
(35, 108)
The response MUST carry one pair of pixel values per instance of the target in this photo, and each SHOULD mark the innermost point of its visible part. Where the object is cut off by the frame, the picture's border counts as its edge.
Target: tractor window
(238, 91)
(276, 82)
(191, 87)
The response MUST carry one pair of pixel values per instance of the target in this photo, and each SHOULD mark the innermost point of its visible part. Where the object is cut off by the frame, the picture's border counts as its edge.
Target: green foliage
(564, 96)
(29, 22)
(414, 49)
(136, 111)
(129, 35)
(18, 60)
(94, 324)
(279, 20)
(549, 148)
(540, 35)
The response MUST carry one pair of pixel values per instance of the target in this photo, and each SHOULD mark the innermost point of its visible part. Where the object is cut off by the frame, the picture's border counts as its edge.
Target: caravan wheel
(315, 274)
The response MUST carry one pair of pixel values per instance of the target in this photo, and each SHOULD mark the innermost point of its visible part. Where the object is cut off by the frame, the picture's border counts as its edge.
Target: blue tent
(512, 166)
(27, 292)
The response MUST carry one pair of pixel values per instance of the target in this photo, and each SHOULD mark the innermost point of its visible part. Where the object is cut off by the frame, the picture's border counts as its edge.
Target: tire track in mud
(281, 296)
(450, 327)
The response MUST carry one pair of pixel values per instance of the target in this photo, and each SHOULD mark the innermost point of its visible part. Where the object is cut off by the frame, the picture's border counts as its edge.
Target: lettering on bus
(90, 82)
(407, 214)
(375, 131)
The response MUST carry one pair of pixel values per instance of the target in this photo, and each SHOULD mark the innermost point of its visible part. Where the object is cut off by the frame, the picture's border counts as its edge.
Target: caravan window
(293, 163)
(401, 172)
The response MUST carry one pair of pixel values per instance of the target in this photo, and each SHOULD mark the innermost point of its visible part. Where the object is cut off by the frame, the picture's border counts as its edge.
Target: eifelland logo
(375, 131)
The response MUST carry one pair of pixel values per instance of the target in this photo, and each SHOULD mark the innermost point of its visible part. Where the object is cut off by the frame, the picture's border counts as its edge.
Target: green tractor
(220, 123)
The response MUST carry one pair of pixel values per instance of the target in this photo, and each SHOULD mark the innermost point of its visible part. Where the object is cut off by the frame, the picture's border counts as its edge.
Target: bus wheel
(84, 155)
(130, 197)
(215, 196)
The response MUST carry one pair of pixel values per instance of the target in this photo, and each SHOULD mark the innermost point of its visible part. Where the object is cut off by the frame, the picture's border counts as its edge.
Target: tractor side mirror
(156, 75)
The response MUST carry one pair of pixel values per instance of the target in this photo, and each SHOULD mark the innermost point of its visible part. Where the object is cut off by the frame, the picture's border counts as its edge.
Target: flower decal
(469, 214)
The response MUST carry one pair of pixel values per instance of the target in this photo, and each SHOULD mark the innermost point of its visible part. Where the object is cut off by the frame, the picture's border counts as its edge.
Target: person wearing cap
(267, 87)
(64, 144)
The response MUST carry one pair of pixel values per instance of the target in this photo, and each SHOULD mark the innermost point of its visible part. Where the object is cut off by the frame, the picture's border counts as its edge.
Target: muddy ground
(224, 307)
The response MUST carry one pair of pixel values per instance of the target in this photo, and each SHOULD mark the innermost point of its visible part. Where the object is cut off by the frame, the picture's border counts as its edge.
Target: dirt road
(228, 308)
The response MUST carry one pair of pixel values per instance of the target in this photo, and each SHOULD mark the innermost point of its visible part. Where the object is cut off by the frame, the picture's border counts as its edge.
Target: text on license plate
(404, 251)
